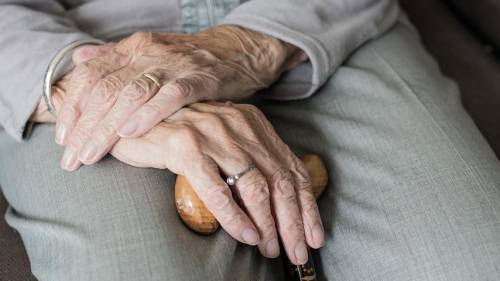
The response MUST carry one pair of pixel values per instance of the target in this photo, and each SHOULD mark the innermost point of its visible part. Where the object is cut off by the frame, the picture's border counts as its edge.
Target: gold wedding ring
(153, 78)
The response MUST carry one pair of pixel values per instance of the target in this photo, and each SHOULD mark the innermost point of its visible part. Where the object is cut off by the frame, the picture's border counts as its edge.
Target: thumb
(87, 52)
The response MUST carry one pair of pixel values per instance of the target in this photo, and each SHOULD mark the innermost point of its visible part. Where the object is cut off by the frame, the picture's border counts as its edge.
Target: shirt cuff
(18, 125)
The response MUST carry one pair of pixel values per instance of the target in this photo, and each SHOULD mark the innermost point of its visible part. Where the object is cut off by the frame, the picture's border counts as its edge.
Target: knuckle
(180, 90)
(151, 110)
(135, 91)
(251, 109)
(106, 130)
(93, 68)
(242, 119)
(205, 78)
(303, 181)
(240, 116)
(68, 111)
(283, 186)
(106, 89)
(256, 194)
(188, 139)
(310, 208)
(235, 111)
(301, 176)
(237, 116)
(83, 70)
(112, 82)
(218, 198)
(213, 120)
(268, 227)
(205, 55)
(79, 137)
(295, 228)
(139, 38)
(308, 203)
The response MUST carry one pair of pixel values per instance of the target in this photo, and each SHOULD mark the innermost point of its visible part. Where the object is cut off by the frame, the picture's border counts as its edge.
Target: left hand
(195, 139)
(205, 140)
(109, 96)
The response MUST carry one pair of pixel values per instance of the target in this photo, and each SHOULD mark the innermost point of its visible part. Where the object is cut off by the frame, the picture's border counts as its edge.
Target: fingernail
(272, 248)
(129, 128)
(69, 160)
(318, 235)
(60, 134)
(301, 252)
(88, 153)
(250, 236)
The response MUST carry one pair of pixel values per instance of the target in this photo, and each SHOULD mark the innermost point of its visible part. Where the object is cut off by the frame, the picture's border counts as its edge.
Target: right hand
(204, 141)
(111, 96)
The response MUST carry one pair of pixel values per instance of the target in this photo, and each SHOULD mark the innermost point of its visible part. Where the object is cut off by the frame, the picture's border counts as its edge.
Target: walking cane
(198, 218)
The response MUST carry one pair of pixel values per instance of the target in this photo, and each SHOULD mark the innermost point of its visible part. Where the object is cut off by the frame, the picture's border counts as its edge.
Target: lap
(108, 221)
(413, 195)
(415, 189)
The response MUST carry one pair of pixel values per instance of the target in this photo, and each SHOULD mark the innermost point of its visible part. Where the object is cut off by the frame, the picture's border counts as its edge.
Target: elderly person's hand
(203, 141)
(80, 55)
(145, 78)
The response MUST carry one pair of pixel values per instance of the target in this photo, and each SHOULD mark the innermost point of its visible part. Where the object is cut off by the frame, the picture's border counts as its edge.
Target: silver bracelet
(51, 69)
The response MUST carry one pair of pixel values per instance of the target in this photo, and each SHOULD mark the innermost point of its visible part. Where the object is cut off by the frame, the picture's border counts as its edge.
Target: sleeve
(328, 31)
(32, 32)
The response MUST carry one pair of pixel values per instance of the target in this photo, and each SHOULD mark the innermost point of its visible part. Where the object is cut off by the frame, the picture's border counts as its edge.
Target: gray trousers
(414, 189)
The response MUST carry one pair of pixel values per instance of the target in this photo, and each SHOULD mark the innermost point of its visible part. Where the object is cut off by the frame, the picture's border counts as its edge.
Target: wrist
(41, 113)
(265, 56)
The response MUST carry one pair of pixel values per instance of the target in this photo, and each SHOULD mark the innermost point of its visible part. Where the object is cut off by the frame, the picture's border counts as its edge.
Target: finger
(281, 184)
(88, 52)
(101, 99)
(149, 151)
(217, 197)
(171, 97)
(315, 234)
(253, 192)
(287, 215)
(131, 97)
(83, 80)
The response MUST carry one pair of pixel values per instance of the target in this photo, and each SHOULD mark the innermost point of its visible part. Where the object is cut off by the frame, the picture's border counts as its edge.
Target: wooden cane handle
(198, 218)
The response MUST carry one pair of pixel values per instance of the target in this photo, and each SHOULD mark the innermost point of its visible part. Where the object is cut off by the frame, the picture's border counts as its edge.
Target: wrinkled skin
(108, 97)
(202, 141)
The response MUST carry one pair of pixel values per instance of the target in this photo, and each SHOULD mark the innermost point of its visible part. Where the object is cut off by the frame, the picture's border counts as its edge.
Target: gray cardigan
(32, 31)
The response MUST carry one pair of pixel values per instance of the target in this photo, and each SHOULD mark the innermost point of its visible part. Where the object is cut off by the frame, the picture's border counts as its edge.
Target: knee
(431, 244)
(457, 250)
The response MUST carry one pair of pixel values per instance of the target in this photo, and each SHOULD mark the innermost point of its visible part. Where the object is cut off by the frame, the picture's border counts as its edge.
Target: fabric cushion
(14, 264)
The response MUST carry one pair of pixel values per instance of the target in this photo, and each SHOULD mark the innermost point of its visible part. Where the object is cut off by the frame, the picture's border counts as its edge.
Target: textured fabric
(327, 31)
(33, 31)
(198, 15)
(414, 191)
(464, 58)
